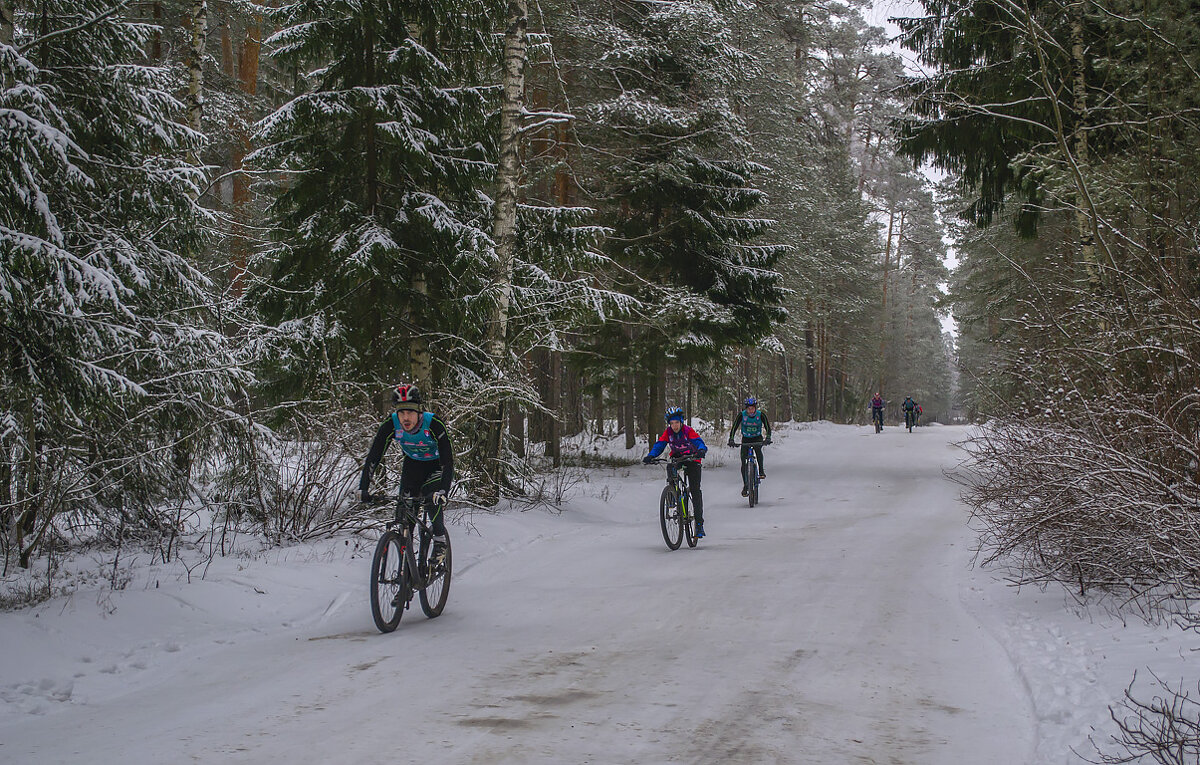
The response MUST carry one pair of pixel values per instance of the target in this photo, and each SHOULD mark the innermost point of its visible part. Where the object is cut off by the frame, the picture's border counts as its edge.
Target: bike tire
(752, 479)
(668, 515)
(689, 521)
(437, 586)
(389, 577)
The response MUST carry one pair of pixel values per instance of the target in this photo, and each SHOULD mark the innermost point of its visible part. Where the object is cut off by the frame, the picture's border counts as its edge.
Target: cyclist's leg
(432, 472)
(762, 470)
(412, 476)
(745, 456)
(694, 470)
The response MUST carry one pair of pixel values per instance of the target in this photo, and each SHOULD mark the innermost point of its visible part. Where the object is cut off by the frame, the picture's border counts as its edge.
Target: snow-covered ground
(838, 622)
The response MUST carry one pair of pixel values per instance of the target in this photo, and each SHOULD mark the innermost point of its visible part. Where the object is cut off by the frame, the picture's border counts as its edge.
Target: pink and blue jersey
(686, 441)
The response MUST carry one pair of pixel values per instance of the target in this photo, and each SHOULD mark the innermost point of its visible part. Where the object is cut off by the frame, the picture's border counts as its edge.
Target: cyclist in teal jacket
(428, 467)
(756, 432)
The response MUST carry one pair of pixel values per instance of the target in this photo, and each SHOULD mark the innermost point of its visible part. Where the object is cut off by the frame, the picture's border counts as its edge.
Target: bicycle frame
(408, 520)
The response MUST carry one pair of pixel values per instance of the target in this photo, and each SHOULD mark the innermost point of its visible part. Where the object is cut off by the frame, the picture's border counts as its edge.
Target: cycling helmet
(751, 401)
(674, 413)
(406, 397)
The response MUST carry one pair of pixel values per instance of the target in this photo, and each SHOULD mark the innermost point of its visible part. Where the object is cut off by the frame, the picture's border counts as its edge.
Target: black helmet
(406, 397)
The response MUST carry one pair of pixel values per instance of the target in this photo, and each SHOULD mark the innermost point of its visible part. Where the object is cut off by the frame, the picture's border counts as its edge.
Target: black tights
(422, 478)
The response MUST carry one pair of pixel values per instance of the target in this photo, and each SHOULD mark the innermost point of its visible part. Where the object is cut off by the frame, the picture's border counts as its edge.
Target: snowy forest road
(824, 626)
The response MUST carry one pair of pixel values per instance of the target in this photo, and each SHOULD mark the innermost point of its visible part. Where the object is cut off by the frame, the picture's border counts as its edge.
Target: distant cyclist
(877, 409)
(756, 432)
(428, 458)
(684, 442)
(910, 410)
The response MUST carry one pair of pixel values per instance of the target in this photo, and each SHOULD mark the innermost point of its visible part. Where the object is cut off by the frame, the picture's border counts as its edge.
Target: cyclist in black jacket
(428, 458)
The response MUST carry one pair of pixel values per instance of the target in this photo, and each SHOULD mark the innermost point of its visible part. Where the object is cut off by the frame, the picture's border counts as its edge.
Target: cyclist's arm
(697, 441)
(766, 421)
(737, 423)
(382, 438)
(657, 447)
(445, 452)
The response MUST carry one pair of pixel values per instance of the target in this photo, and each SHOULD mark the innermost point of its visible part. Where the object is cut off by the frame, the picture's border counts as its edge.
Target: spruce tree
(110, 373)
(380, 226)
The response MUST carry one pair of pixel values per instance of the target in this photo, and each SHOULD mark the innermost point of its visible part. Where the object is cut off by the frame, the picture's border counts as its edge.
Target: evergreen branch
(77, 28)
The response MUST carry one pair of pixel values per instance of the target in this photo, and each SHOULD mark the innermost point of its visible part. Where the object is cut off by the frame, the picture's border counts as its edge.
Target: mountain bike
(750, 471)
(675, 505)
(401, 566)
(877, 417)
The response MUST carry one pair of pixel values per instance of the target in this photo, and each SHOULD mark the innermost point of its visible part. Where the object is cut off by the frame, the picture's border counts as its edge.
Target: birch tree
(504, 225)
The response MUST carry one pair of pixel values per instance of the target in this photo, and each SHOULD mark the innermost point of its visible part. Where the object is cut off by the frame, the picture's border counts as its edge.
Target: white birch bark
(504, 228)
(195, 99)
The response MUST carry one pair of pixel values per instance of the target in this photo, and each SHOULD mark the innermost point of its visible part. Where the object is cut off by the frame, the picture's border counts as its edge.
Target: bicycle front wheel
(689, 520)
(752, 477)
(437, 579)
(389, 580)
(668, 514)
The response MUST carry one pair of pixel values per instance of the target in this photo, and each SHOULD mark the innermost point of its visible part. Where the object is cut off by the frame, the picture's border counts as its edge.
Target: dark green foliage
(381, 159)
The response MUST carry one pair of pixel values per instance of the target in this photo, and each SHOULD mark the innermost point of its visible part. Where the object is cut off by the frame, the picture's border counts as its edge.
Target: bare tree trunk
(418, 346)
(554, 443)
(247, 75)
(1083, 221)
(691, 410)
(195, 97)
(810, 372)
(887, 266)
(627, 411)
(504, 235)
(785, 368)
(598, 409)
(6, 22)
(156, 14)
(516, 430)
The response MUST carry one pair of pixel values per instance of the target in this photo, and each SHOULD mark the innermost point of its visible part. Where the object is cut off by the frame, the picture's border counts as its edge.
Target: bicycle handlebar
(380, 499)
(676, 460)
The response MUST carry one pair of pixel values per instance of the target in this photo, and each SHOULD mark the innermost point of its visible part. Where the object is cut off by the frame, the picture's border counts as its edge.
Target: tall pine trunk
(810, 364)
(1084, 216)
(247, 75)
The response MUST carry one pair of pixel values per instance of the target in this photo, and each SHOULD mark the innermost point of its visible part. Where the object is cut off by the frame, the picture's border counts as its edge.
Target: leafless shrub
(1164, 728)
(1055, 503)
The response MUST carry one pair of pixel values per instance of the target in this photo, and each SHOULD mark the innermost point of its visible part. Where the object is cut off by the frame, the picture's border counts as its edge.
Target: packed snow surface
(840, 621)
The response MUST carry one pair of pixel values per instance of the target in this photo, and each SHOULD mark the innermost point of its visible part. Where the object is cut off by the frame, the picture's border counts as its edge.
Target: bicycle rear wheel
(389, 581)
(669, 516)
(437, 582)
(688, 519)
